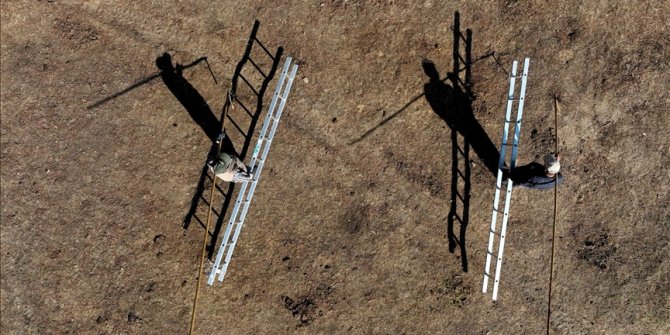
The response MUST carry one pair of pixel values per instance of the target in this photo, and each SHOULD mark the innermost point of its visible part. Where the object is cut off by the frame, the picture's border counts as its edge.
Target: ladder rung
(263, 47)
(257, 68)
(243, 106)
(249, 84)
(460, 196)
(461, 174)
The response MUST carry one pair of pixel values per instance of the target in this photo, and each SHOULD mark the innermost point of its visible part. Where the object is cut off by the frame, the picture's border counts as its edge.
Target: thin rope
(209, 216)
(553, 232)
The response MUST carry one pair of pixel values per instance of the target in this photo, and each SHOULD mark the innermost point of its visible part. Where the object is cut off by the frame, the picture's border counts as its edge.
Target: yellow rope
(209, 215)
(553, 232)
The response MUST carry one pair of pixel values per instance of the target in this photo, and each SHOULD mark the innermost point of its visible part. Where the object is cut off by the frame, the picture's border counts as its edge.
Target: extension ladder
(246, 192)
(501, 162)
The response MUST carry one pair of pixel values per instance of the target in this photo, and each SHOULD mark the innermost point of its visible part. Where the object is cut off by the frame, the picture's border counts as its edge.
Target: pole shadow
(147, 80)
(453, 103)
(249, 111)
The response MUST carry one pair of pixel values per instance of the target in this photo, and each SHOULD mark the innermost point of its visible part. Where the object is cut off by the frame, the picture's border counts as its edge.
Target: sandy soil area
(349, 228)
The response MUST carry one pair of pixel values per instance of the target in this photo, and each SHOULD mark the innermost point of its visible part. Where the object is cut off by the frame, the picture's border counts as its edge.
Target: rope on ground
(209, 216)
(553, 231)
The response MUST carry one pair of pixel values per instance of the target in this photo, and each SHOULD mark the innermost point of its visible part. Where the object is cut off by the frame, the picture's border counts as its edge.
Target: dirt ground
(348, 230)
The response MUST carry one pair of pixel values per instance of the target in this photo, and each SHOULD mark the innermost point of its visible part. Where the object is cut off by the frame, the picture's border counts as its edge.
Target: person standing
(537, 176)
(228, 167)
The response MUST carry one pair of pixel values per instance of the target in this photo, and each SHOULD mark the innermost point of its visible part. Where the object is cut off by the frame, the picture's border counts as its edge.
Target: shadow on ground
(252, 111)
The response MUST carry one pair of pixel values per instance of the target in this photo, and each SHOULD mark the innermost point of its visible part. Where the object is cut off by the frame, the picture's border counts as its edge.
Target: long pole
(553, 232)
(202, 256)
(209, 216)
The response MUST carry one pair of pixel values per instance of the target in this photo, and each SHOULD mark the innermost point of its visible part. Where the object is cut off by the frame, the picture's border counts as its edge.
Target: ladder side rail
(503, 228)
(231, 248)
(265, 139)
(264, 142)
(282, 104)
(226, 236)
(517, 127)
(501, 162)
(508, 196)
(277, 116)
(501, 244)
(243, 193)
(271, 110)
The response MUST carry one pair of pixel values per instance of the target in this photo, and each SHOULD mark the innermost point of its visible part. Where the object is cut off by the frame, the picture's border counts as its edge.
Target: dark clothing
(224, 163)
(534, 176)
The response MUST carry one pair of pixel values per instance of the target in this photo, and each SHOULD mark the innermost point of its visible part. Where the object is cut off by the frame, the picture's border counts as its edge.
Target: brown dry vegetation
(343, 236)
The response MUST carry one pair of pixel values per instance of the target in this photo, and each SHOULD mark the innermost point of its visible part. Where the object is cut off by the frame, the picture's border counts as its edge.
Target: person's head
(164, 62)
(552, 163)
(430, 70)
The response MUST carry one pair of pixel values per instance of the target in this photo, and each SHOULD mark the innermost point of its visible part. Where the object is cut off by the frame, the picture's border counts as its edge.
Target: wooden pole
(553, 231)
(209, 216)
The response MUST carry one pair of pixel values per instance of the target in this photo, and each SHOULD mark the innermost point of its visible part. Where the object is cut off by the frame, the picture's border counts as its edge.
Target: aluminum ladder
(501, 163)
(246, 192)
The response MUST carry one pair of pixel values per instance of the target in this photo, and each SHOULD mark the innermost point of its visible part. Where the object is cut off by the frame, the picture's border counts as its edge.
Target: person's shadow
(525, 172)
(454, 105)
(188, 96)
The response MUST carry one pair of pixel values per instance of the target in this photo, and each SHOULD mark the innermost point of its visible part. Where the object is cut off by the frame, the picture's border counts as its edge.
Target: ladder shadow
(453, 103)
(247, 112)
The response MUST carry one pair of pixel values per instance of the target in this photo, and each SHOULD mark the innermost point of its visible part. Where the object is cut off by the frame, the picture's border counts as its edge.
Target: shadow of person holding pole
(188, 96)
(454, 105)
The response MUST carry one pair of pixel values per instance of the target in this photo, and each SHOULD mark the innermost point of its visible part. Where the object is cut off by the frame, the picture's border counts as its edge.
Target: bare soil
(348, 230)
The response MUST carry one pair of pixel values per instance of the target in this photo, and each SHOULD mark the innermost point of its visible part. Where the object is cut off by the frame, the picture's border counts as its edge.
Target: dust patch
(307, 307)
(418, 174)
(454, 290)
(597, 251)
(76, 31)
(355, 219)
